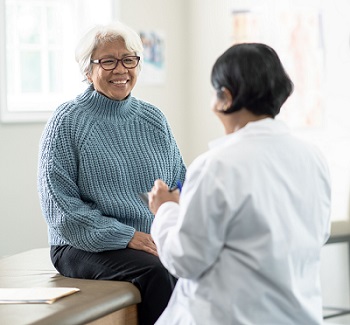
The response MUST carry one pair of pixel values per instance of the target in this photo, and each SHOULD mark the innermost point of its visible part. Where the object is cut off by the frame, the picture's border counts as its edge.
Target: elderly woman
(262, 198)
(97, 153)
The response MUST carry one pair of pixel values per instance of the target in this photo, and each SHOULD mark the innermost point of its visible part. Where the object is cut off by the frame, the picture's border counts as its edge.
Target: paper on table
(33, 295)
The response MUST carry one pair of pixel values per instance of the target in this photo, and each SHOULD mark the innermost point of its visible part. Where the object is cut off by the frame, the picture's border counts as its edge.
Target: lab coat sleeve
(190, 235)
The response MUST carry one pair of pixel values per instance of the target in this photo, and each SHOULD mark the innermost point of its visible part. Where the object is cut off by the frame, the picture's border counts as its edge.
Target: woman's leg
(142, 269)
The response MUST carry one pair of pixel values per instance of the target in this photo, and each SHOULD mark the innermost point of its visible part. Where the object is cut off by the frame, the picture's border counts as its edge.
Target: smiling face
(118, 83)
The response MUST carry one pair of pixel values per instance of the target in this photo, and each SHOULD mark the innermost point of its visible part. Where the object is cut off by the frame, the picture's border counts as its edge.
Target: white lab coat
(245, 240)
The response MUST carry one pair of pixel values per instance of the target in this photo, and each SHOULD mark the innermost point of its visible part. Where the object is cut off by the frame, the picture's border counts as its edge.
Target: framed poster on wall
(313, 41)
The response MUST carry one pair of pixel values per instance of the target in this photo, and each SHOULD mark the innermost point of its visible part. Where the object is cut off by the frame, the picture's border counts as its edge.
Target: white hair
(102, 34)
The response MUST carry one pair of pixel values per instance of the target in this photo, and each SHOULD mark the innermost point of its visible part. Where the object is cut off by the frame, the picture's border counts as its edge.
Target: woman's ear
(88, 77)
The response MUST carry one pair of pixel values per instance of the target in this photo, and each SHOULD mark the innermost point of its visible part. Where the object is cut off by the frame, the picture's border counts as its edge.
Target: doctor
(246, 235)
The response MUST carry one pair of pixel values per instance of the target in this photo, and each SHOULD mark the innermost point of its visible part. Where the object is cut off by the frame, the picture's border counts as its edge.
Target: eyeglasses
(128, 62)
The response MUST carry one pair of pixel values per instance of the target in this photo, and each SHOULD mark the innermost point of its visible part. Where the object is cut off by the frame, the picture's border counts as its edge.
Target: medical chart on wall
(299, 43)
(312, 40)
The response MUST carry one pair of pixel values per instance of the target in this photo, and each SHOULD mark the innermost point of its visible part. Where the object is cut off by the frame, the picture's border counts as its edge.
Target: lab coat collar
(266, 126)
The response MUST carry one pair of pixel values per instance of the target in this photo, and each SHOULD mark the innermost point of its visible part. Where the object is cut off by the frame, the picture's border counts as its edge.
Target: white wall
(209, 31)
(172, 97)
(21, 224)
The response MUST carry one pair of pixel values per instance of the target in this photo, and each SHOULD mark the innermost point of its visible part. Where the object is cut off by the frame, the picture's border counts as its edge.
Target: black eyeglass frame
(117, 61)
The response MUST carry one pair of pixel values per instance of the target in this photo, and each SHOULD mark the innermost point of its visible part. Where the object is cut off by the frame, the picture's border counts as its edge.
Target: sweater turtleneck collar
(106, 108)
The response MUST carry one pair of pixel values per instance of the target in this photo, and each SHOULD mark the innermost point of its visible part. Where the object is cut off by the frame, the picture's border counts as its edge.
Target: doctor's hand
(143, 242)
(160, 194)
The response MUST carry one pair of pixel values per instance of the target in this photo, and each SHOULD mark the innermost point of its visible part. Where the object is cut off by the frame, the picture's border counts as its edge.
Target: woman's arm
(71, 219)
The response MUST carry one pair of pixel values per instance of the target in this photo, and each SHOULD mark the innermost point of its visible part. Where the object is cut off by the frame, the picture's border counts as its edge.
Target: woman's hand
(143, 242)
(160, 194)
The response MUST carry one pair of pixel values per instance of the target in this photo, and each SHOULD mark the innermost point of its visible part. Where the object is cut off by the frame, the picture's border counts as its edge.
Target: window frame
(30, 113)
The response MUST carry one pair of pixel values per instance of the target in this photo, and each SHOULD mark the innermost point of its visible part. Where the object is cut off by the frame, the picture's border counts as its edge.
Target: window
(39, 71)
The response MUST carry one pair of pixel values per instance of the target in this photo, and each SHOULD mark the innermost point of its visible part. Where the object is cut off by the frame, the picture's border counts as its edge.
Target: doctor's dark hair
(255, 77)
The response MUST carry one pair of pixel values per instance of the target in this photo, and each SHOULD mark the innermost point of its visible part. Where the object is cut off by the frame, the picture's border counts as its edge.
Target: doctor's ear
(225, 95)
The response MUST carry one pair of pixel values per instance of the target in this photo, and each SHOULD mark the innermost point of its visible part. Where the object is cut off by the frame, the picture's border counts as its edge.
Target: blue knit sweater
(96, 156)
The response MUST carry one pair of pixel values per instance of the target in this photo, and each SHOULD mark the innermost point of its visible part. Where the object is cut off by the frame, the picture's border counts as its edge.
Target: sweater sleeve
(72, 220)
(156, 118)
(179, 167)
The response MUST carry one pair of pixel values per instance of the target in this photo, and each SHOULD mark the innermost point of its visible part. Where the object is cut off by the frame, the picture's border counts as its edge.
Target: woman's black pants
(142, 269)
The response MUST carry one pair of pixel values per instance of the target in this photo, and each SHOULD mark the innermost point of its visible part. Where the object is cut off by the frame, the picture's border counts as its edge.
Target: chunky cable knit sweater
(96, 156)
